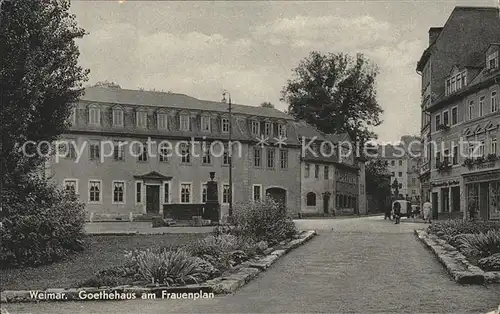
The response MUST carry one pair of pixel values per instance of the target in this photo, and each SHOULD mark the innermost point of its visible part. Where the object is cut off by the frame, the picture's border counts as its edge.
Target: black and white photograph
(249, 156)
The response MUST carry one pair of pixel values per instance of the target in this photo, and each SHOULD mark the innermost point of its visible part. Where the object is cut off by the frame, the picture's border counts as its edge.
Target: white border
(253, 192)
(491, 100)
(101, 190)
(190, 194)
(113, 192)
(201, 190)
(135, 194)
(162, 189)
(222, 193)
(222, 125)
(451, 116)
(209, 124)
(71, 179)
(119, 108)
(158, 114)
(188, 122)
(96, 107)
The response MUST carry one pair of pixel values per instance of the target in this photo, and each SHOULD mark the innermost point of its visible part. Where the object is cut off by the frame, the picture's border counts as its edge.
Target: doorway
(435, 205)
(152, 199)
(483, 200)
(326, 201)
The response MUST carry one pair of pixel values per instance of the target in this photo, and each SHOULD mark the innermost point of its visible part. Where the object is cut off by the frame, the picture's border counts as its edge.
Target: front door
(483, 200)
(152, 199)
(326, 200)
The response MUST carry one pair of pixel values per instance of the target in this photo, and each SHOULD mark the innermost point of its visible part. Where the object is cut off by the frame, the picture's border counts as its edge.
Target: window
(67, 149)
(481, 148)
(400, 162)
(163, 153)
(268, 128)
(316, 171)
(257, 157)
(117, 117)
(307, 170)
(393, 162)
(494, 101)
(143, 152)
(446, 118)
(95, 150)
(257, 192)
(493, 146)
(464, 78)
(270, 158)
(454, 115)
(459, 81)
(141, 119)
(438, 120)
(206, 158)
(226, 159)
(185, 154)
(495, 196)
(455, 155)
(283, 159)
(448, 86)
(94, 115)
(166, 192)
(184, 124)
(481, 105)
(185, 193)
(326, 173)
(453, 87)
(71, 185)
(471, 150)
(413, 181)
(492, 61)
(162, 121)
(438, 159)
(94, 191)
(205, 124)
(400, 174)
(118, 192)
(204, 191)
(282, 130)
(138, 192)
(471, 110)
(401, 185)
(255, 127)
(119, 151)
(225, 194)
(446, 156)
(225, 125)
(311, 199)
(392, 173)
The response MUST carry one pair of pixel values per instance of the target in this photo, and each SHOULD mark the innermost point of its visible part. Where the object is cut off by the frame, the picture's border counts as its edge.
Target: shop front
(483, 193)
(446, 199)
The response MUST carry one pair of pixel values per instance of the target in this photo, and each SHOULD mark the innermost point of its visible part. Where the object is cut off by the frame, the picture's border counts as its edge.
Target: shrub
(490, 263)
(40, 224)
(480, 244)
(168, 267)
(264, 221)
(451, 228)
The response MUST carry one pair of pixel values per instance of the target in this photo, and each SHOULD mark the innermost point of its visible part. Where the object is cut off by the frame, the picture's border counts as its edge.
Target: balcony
(482, 163)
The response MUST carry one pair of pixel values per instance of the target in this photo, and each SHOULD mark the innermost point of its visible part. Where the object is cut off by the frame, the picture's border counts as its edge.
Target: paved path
(364, 265)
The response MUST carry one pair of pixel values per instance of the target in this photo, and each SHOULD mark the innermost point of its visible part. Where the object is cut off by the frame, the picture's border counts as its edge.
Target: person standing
(427, 210)
(397, 212)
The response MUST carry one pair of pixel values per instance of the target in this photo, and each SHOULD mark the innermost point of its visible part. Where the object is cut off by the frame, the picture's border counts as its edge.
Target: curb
(456, 264)
(221, 285)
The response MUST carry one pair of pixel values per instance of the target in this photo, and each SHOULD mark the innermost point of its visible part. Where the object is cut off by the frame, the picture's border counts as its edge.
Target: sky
(250, 48)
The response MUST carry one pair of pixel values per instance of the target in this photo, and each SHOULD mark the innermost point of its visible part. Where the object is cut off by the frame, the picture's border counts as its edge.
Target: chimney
(433, 34)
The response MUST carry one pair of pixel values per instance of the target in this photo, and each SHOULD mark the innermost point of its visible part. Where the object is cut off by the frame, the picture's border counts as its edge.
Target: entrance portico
(154, 191)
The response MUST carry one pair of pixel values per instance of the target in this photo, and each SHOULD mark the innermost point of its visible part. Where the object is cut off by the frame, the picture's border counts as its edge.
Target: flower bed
(478, 241)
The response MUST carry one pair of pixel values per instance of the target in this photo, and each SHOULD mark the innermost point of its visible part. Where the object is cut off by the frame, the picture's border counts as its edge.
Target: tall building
(133, 151)
(460, 117)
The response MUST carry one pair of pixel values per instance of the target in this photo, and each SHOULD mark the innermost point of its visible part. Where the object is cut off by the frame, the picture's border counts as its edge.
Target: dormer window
(455, 82)
(492, 61)
(141, 119)
(282, 130)
(162, 121)
(205, 123)
(94, 115)
(255, 127)
(117, 117)
(184, 124)
(268, 129)
(225, 125)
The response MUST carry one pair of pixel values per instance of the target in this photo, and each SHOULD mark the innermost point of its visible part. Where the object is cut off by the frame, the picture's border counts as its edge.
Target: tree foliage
(266, 104)
(336, 93)
(39, 76)
(377, 182)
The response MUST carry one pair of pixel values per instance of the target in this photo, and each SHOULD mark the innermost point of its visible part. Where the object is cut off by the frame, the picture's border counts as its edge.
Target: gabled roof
(172, 100)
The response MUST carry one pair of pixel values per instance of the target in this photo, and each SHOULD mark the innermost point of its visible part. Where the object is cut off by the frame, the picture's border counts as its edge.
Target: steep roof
(172, 100)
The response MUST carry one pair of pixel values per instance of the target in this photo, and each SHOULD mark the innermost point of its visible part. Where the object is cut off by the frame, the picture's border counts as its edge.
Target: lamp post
(230, 152)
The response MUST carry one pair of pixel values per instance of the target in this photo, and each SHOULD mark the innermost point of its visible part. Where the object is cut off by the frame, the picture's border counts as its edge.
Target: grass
(102, 252)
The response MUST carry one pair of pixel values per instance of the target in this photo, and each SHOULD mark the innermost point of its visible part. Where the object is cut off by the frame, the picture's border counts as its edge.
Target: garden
(478, 241)
(154, 260)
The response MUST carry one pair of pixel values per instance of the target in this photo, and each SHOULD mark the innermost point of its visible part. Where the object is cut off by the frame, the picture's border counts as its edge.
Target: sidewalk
(138, 227)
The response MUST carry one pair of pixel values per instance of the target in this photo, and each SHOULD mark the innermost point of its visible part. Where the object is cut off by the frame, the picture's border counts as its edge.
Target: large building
(460, 113)
(134, 151)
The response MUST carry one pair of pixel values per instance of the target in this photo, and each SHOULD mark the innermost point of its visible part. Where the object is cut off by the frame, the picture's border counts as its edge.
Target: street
(357, 265)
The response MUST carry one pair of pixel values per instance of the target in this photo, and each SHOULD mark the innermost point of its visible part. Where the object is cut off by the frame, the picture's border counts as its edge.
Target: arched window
(94, 115)
(311, 199)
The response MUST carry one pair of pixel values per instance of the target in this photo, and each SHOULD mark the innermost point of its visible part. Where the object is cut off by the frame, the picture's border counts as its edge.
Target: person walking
(397, 212)
(427, 210)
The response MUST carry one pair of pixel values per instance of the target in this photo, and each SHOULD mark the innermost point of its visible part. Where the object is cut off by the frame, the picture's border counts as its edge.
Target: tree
(395, 187)
(266, 104)
(40, 79)
(376, 174)
(336, 93)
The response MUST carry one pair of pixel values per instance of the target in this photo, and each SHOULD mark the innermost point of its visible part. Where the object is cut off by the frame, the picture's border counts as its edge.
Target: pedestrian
(388, 214)
(397, 212)
(427, 210)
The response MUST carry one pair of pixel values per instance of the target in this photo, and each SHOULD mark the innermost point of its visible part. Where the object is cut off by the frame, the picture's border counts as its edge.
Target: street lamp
(230, 152)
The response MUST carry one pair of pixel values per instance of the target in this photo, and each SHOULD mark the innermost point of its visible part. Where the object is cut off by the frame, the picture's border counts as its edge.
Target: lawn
(102, 252)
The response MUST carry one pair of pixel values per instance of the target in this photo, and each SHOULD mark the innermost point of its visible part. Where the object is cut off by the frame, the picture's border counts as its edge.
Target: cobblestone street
(364, 265)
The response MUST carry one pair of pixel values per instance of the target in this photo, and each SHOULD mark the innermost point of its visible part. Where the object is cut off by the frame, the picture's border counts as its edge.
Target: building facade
(460, 116)
(129, 152)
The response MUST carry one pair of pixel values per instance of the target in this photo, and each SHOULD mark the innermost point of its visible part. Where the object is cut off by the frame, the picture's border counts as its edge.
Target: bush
(40, 224)
(490, 263)
(168, 267)
(264, 221)
(451, 228)
(479, 245)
